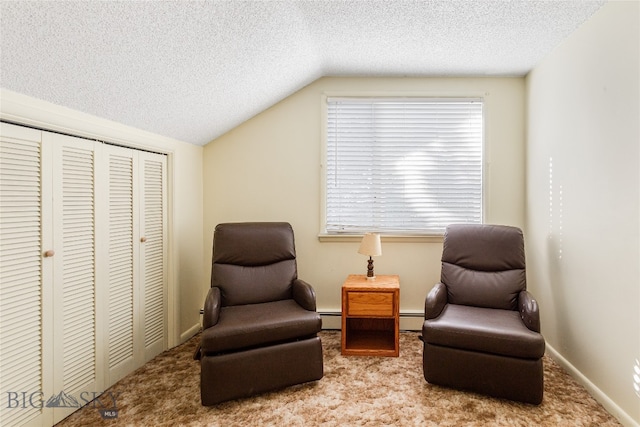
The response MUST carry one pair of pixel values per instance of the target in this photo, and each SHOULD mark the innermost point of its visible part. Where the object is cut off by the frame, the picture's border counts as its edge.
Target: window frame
(409, 235)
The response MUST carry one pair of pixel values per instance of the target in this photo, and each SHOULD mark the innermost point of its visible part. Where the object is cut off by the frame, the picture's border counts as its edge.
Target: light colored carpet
(355, 391)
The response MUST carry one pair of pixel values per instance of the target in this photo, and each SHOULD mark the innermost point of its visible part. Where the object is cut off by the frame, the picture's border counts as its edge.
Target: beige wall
(268, 169)
(185, 189)
(187, 235)
(583, 202)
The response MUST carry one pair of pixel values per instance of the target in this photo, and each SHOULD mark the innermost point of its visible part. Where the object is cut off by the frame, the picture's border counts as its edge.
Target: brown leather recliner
(482, 328)
(260, 322)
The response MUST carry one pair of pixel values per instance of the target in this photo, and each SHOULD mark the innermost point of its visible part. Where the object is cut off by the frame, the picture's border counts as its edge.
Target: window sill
(387, 238)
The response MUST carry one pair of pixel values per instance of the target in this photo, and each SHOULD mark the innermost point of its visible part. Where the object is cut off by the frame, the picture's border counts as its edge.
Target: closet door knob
(143, 239)
(49, 253)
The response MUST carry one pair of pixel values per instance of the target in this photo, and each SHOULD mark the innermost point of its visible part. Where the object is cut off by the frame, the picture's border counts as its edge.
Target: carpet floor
(355, 391)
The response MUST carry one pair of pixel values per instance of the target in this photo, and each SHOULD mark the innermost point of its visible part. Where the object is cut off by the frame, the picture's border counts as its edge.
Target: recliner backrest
(484, 265)
(253, 262)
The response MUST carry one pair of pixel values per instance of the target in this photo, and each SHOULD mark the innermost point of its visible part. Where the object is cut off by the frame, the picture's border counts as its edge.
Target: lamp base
(370, 275)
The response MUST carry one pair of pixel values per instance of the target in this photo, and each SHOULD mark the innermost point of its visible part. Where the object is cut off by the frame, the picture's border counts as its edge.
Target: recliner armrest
(435, 301)
(529, 313)
(304, 294)
(211, 308)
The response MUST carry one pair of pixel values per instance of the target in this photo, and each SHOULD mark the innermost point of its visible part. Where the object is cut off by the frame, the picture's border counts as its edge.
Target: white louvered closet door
(22, 275)
(122, 270)
(137, 288)
(75, 362)
(48, 275)
(83, 283)
(153, 229)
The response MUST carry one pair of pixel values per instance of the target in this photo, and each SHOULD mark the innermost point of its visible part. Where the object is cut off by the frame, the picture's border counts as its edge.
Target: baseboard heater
(409, 320)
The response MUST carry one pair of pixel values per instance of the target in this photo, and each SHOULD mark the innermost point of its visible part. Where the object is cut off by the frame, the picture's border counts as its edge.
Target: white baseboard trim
(189, 333)
(608, 404)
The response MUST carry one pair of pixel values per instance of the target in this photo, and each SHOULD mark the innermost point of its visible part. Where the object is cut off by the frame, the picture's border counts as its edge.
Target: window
(402, 165)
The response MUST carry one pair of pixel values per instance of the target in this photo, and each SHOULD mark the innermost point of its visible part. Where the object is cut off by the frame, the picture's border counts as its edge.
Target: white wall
(268, 169)
(185, 189)
(583, 218)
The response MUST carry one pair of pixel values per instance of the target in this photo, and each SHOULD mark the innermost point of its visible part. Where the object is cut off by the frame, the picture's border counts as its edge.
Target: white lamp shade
(370, 245)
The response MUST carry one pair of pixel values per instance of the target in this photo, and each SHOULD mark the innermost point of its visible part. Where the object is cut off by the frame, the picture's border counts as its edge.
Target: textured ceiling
(193, 70)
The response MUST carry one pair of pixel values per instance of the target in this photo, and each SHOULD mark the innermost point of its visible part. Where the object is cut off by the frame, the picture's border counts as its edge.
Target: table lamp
(371, 247)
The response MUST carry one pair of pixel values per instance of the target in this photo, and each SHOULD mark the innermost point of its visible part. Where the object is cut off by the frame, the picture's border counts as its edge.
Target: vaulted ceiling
(193, 70)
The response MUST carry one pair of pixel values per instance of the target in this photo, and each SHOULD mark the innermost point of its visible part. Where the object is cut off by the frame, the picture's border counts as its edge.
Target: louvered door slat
(18, 246)
(13, 271)
(23, 297)
(20, 273)
(13, 353)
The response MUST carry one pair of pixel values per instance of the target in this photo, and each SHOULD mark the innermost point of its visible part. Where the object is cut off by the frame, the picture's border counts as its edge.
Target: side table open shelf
(370, 316)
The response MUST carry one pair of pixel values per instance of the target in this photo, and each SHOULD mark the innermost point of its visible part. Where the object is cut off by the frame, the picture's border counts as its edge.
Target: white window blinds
(403, 165)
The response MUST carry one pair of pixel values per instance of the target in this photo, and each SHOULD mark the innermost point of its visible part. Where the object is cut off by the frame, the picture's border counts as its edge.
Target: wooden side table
(370, 316)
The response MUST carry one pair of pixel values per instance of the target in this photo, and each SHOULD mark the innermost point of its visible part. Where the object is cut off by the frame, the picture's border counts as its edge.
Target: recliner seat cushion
(245, 326)
(486, 330)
